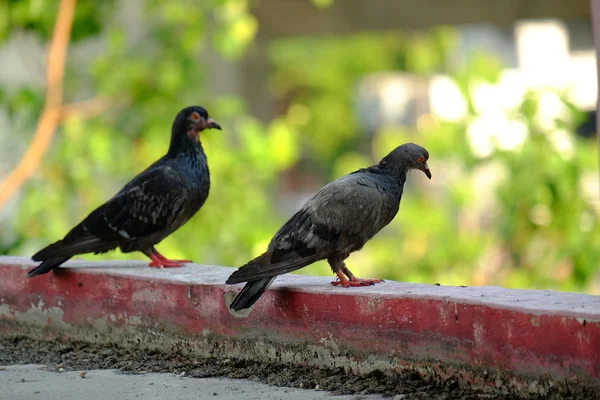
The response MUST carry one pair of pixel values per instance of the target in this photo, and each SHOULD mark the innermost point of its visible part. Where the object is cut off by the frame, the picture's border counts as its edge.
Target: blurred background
(502, 94)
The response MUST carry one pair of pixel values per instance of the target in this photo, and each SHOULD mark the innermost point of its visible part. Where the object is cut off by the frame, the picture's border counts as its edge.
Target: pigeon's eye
(195, 116)
(420, 160)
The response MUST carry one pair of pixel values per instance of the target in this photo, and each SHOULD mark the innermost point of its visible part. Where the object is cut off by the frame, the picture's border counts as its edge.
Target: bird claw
(180, 261)
(160, 261)
(168, 263)
(356, 282)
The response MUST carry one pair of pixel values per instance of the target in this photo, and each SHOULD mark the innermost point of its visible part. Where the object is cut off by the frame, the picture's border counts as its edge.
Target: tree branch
(87, 108)
(595, 7)
(52, 108)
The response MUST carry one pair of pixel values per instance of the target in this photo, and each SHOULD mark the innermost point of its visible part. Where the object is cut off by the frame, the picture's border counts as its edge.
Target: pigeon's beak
(212, 124)
(426, 170)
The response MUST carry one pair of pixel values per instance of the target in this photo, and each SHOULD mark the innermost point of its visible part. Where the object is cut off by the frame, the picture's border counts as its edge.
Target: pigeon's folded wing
(350, 208)
(341, 215)
(146, 205)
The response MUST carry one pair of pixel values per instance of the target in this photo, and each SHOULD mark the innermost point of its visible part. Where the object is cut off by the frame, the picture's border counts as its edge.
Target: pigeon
(335, 222)
(150, 207)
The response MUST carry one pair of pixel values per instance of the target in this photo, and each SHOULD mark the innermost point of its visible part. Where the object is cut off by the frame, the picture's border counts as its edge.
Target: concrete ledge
(524, 341)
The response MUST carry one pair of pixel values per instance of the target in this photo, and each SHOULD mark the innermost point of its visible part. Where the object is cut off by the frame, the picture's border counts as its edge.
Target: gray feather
(338, 220)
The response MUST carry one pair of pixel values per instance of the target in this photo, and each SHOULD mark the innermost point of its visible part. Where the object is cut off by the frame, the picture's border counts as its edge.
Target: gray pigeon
(150, 207)
(335, 222)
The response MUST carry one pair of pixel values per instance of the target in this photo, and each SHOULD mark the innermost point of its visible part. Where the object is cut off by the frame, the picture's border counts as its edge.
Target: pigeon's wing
(342, 215)
(350, 209)
(146, 205)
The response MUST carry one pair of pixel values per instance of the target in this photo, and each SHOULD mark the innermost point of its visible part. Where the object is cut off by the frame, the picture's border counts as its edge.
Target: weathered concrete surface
(517, 340)
(70, 355)
(26, 382)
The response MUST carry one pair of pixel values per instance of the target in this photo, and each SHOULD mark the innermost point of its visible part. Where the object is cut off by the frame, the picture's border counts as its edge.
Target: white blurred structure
(543, 55)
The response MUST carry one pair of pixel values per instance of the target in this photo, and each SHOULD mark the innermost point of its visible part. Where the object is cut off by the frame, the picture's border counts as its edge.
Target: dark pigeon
(150, 207)
(335, 222)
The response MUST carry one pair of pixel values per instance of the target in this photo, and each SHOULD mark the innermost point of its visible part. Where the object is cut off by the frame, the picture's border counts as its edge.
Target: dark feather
(150, 207)
(262, 267)
(250, 294)
(147, 205)
(47, 266)
(77, 241)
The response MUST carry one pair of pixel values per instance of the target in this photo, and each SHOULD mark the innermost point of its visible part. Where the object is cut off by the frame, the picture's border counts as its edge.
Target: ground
(77, 356)
(26, 382)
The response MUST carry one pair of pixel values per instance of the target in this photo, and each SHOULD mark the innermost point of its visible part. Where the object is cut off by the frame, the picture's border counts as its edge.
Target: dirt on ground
(71, 355)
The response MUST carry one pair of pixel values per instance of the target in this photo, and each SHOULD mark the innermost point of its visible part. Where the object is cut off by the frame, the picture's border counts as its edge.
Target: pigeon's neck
(397, 172)
(190, 160)
(184, 145)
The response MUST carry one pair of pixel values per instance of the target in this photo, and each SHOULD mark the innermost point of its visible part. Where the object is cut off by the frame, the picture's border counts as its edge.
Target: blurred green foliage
(533, 228)
(147, 81)
(445, 234)
(39, 16)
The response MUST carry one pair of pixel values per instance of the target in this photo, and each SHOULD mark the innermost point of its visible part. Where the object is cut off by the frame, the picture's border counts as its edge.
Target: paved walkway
(30, 382)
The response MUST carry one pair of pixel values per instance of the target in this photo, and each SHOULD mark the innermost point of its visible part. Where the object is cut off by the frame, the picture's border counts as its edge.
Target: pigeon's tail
(255, 287)
(77, 241)
(250, 294)
(271, 264)
(261, 272)
(47, 266)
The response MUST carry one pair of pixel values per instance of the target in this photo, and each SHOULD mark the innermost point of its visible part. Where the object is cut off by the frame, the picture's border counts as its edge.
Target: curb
(522, 341)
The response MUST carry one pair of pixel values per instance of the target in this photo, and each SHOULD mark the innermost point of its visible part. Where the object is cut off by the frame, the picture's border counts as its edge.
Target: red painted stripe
(534, 332)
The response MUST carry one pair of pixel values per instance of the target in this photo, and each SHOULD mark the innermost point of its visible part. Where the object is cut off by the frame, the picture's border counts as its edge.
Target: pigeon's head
(192, 120)
(409, 156)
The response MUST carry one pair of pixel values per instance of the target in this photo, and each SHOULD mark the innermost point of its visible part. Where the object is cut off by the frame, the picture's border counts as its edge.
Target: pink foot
(353, 281)
(159, 261)
(357, 282)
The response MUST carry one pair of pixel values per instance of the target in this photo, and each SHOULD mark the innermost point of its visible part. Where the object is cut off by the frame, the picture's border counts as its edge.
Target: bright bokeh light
(446, 100)
(492, 130)
(584, 80)
(543, 52)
